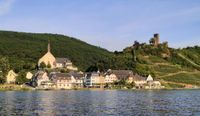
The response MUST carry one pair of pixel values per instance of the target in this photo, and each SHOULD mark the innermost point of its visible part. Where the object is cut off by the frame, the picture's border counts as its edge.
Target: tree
(134, 55)
(165, 44)
(43, 65)
(48, 65)
(136, 44)
(152, 41)
(29, 66)
(64, 70)
(4, 68)
(130, 85)
(92, 68)
(21, 78)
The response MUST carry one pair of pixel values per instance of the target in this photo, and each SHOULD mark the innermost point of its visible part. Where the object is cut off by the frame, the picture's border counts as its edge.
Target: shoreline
(14, 87)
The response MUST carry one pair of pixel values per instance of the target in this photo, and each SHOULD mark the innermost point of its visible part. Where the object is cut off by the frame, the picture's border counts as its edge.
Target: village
(56, 78)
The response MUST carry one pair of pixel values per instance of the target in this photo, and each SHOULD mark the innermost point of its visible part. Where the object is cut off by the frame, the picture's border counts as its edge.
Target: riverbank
(14, 87)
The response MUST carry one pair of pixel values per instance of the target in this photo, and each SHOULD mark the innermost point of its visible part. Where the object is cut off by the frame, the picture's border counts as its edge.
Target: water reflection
(112, 102)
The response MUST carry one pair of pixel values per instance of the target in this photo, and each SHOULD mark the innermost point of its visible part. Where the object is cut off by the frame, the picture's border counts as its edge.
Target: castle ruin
(155, 41)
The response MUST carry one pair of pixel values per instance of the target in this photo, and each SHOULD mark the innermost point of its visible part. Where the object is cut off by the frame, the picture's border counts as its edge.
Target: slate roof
(139, 78)
(39, 74)
(76, 75)
(61, 76)
(121, 74)
(66, 76)
(62, 60)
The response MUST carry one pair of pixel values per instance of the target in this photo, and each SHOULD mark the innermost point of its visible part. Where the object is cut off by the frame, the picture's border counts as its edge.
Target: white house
(40, 78)
(11, 77)
(152, 84)
(67, 80)
(62, 80)
(149, 78)
(29, 75)
(77, 79)
(110, 78)
(93, 79)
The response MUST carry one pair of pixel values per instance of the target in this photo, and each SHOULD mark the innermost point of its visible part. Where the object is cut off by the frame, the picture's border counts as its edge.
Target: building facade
(110, 78)
(67, 80)
(117, 75)
(94, 79)
(62, 80)
(65, 63)
(77, 79)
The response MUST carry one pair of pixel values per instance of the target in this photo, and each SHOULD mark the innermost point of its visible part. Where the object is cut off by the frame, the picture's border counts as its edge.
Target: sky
(110, 24)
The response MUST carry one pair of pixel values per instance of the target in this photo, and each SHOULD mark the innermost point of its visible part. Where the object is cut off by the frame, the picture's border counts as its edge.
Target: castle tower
(157, 39)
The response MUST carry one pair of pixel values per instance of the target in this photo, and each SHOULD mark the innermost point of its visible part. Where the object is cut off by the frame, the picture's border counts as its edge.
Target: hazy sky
(111, 24)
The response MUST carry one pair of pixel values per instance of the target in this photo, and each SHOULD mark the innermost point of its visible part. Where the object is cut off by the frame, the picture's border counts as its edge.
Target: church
(49, 60)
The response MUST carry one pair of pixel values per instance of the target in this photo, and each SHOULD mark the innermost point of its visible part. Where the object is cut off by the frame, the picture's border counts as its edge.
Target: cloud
(6, 6)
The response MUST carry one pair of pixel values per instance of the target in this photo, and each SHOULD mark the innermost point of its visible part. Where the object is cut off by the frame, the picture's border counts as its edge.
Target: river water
(103, 103)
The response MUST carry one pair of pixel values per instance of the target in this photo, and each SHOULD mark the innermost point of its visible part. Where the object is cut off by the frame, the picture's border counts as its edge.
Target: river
(103, 103)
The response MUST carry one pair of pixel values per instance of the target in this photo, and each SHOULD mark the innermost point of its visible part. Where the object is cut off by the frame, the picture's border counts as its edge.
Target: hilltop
(173, 67)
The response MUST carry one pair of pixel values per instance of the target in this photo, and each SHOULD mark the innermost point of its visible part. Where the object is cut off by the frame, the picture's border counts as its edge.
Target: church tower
(48, 47)
(48, 58)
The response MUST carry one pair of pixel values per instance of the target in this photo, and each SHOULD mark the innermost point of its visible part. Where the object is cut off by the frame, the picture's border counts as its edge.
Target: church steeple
(48, 48)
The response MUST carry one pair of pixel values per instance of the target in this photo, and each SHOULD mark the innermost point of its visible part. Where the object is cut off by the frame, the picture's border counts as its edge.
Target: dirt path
(179, 83)
(172, 74)
(168, 64)
(190, 61)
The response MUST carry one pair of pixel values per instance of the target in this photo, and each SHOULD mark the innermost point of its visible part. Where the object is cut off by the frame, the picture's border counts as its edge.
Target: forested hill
(173, 67)
(24, 49)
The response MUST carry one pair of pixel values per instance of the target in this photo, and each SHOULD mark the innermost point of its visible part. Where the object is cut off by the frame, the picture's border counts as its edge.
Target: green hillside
(24, 49)
(173, 67)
